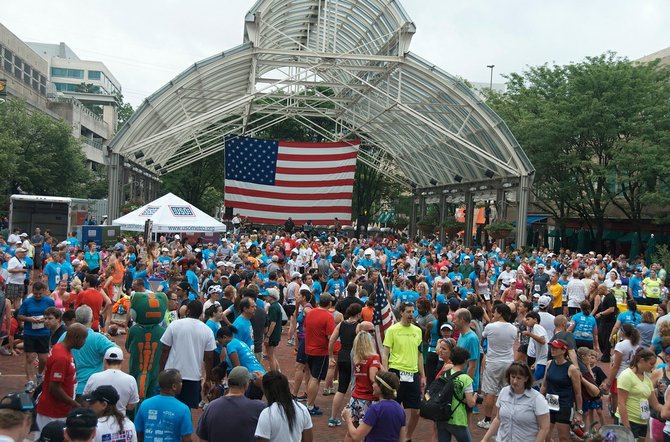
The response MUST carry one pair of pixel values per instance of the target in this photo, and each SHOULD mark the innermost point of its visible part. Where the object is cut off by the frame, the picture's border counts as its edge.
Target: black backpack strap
(452, 377)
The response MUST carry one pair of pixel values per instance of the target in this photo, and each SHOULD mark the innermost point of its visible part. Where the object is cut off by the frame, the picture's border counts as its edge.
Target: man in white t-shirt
(441, 280)
(546, 318)
(537, 346)
(16, 267)
(500, 335)
(188, 342)
(125, 384)
(576, 293)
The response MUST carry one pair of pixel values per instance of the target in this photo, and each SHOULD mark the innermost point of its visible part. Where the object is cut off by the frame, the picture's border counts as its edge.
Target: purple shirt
(386, 419)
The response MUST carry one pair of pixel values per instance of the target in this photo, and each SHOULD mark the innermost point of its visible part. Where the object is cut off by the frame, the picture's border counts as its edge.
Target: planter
(499, 231)
(426, 228)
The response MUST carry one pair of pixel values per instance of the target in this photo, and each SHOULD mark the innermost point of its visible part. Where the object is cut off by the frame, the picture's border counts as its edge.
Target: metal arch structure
(425, 128)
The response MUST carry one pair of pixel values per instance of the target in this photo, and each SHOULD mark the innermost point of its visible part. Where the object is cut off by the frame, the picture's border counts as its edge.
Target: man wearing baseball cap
(80, 425)
(125, 384)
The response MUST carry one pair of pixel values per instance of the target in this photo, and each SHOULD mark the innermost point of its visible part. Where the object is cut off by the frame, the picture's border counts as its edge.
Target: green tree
(593, 130)
(90, 88)
(200, 183)
(39, 155)
(124, 110)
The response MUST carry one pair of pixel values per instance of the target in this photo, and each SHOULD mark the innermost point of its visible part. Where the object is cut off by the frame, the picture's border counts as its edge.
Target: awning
(535, 219)
(385, 217)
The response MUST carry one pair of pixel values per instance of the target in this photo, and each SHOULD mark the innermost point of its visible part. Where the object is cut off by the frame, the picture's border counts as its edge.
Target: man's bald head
(365, 326)
(76, 335)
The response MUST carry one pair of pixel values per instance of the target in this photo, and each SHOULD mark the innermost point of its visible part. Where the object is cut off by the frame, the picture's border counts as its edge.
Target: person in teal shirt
(88, 359)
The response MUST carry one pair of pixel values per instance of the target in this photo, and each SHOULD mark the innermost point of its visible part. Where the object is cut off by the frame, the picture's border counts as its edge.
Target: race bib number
(487, 296)
(537, 288)
(552, 400)
(38, 325)
(57, 279)
(644, 409)
(655, 291)
(406, 377)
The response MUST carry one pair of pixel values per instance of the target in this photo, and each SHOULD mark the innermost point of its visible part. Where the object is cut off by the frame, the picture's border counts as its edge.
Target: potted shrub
(499, 230)
(427, 224)
(452, 227)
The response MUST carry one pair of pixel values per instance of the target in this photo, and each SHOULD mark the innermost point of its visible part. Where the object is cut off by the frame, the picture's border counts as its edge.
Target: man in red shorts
(319, 325)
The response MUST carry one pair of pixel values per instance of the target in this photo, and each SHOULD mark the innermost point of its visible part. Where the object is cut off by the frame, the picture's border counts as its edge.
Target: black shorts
(301, 357)
(344, 376)
(584, 343)
(190, 393)
(562, 416)
(289, 309)
(409, 393)
(639, 430)
(36, 344)
(318, 366)
(273, 342)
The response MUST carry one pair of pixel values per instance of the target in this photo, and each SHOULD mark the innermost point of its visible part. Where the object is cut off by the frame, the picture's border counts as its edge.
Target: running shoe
(483, 424)
(334, 422)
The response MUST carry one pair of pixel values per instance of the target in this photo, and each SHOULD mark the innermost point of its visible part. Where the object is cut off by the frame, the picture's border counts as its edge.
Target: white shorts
(42, 420)
(494, 377)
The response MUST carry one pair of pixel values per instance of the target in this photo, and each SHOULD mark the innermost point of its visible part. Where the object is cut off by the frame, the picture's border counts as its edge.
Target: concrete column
(412, 216)
(443, 216)
(422, 203)
(523, 199)
(469, 218)
(115, 185)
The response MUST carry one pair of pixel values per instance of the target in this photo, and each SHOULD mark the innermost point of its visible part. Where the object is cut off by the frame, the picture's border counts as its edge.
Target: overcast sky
(145, 43)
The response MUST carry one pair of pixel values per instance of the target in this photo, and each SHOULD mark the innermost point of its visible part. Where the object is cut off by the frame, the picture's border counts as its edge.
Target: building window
(67, 73)
(65, 87)
(94, 75)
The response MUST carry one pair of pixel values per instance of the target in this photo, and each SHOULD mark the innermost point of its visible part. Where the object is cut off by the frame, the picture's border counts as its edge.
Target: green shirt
(403, 343)
(637, 390)
(462, 385)
(652, 288)
(274, 315)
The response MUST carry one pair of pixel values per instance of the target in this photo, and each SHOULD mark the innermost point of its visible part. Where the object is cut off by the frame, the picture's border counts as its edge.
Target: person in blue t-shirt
(635, 285)
(584, 327)
(164, 418)
(93, 258)
(53, 271)
(242, 322)
(632, 317)
(193, 280)
(468, 340)
(35, 332)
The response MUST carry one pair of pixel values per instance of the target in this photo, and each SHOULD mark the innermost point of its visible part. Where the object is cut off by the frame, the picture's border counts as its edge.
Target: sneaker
(315, 412)
(328, 391)
(334, 422)
(475, 410)
(201, 404)
(4, 351)
(29, 387)
(290, 343)
(483, 424)
(301, 398)
(40, 379)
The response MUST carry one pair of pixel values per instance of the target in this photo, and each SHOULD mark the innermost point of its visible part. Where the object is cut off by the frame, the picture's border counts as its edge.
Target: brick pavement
(13, 379)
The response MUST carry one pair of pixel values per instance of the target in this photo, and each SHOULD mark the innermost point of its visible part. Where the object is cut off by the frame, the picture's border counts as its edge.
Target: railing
(93, 143)
(77, 103)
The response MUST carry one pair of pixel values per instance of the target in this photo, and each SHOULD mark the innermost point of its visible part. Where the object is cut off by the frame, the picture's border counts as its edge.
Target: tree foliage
(595, 132)
(124, 110)
(39, 155)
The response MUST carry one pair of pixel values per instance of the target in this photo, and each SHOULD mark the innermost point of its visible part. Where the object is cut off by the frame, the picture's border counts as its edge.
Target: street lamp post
(491, 66)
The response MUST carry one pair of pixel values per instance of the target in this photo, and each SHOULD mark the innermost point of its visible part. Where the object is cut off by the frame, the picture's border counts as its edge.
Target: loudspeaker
(228, 213)
(362, 224)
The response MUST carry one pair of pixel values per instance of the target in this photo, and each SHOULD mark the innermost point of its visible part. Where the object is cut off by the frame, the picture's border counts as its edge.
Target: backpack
(437, 403)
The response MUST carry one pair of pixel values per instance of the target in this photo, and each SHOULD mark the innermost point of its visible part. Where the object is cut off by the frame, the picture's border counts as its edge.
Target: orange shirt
(119, 271)
(367, 313)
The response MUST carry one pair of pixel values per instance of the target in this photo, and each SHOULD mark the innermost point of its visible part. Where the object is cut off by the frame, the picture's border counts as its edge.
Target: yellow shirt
(556, 291)
(403, 343)
(652, 288)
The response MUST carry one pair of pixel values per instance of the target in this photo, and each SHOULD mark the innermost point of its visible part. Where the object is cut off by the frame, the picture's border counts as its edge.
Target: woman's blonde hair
(363, 347)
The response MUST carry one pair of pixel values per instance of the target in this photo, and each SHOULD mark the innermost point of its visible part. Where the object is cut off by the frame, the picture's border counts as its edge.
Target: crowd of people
(524, 346)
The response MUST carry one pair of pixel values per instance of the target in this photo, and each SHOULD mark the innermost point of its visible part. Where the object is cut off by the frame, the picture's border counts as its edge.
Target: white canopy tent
(170, 214)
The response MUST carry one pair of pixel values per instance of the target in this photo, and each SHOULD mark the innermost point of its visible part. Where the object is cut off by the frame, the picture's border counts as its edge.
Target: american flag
(382, 317)
(268, 181)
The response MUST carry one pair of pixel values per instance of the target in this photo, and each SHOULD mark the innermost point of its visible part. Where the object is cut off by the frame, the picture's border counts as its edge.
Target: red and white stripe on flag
(312, 181)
